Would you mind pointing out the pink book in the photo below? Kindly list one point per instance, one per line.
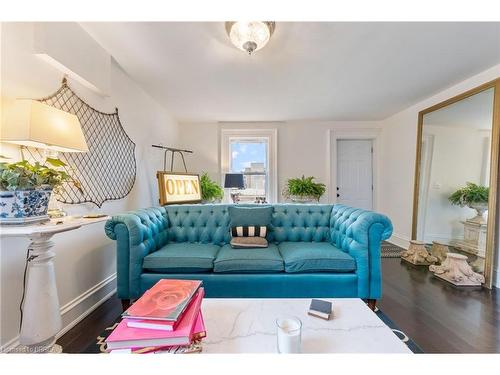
(165, 301)
(127, 337)
(153, 324)
(199, 332)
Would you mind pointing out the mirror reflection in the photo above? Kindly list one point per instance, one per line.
(454, 179)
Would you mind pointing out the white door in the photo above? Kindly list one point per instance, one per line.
(355, 173)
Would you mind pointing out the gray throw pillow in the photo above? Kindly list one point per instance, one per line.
(248, 242)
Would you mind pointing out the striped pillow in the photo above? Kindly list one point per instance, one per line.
(249, 231)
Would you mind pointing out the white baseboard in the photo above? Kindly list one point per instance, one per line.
(429, 238)
(94, 296)
(399, 240)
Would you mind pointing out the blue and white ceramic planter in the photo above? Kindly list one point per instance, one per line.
(24, 206)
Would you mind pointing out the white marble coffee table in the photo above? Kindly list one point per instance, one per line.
(248, 326)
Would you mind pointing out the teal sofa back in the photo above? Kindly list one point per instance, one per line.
(210, 223)
(300, 222)
(198, 223)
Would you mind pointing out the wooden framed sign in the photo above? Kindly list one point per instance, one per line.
(178, 187)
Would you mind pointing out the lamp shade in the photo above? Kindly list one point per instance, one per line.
(34, 124)
(234, 180)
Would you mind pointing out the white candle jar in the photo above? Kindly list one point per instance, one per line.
(289, 331)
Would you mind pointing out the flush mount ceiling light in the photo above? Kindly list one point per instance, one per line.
(250, 36)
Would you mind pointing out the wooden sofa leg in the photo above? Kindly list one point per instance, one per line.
(125, 304)
(372, 303)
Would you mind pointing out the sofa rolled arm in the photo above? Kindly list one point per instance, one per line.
(137, 234)
(360, 233)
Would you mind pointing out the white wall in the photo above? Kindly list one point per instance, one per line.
(85, 258)
(398, 156)
(303, 147)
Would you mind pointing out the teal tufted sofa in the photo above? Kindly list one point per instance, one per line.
(315, 250)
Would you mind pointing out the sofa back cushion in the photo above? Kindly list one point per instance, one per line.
(210, 223)
(198, 223)
(341, 222)
(300, 222)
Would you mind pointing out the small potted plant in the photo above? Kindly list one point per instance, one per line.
(303, 190)
(25, 189)
(211, 191)
(473, 196)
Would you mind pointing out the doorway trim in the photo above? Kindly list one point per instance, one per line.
(334, 135)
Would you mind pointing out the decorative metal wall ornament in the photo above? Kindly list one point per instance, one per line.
(177, 187)
(173, 151)
(107, 171)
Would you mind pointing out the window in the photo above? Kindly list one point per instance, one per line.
(249, 156)
(252, 153)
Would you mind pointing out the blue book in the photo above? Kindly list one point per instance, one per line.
(320, 309)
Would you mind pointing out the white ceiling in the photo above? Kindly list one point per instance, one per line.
(316, 71)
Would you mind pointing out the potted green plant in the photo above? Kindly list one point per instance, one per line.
(303, 189)
(25, 189)
(473, 196)
(211, 191)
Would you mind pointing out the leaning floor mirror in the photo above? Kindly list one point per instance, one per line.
(456, 185)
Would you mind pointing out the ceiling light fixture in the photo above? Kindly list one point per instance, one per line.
(250, 36)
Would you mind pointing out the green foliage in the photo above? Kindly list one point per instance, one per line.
(23, 175)
(470, 194)
(210, 190)
(304, 187)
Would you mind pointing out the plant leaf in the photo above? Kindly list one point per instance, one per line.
(56, 162)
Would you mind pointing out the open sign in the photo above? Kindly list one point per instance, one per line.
(178, 188)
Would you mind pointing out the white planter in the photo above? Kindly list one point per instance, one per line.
(481, 208)
(302, 199)
(24, 206)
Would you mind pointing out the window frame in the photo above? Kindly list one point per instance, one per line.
(268, 135)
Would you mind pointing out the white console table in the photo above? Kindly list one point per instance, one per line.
(41, 312)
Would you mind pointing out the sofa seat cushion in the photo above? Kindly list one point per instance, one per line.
(252, 260)
(315, 257)
(184, 257)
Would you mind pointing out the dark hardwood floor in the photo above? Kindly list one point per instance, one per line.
(437, 316)
(79, 338)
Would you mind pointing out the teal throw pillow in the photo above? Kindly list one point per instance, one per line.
(247, 216)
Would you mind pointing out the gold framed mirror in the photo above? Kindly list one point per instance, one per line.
(456, 180)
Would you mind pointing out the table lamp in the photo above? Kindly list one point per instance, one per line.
(234, 181)
(30, 123)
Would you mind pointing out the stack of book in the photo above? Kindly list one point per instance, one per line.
(166, 319)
